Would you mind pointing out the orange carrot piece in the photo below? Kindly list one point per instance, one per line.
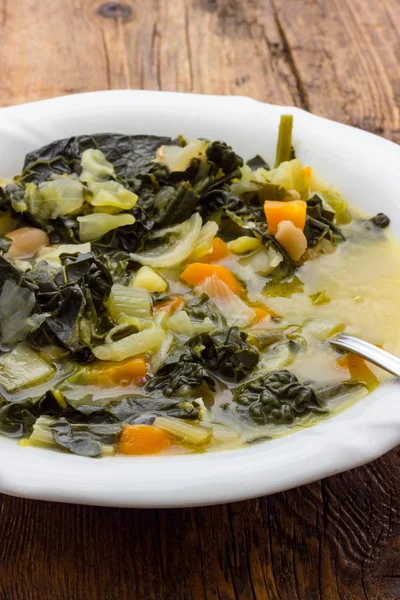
(261, 313)
(170, 306)
(143, 439)
(358, 369)
(307, 176)
(219, 251)
(294, 211)
(196, 273)
(122, 373)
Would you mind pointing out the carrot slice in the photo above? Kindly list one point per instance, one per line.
(170, 306)
(261, 313)
(358, 369)
(123, 373)
(219, 251)
(143, 439)
(294, 211)
(196, 273)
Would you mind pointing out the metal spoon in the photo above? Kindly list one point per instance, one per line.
(375, 355)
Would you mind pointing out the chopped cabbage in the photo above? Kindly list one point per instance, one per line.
(95, 166)
(180, 324)
(55, 198)
(178, 159)
(146, 341)
(23, 367)
(187, 432)
(92, 227)
(262, 261)
(51, 254)
(289, 174)
(175, 244)
(204, 242)
(111, 197)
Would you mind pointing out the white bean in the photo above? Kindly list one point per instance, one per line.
(26, 241)
(292, 239)
(293, 195)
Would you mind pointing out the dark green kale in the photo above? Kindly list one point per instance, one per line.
(226, 355)
(17, 418)
(9, 271)
(257, 162)
(181, 373)
(86, 429)
(320, 223)
(224, 158)
(127, 153)
(172, 205)
(84, 439)
(203, 306)
(170, 198)
(277, 397)
(380, 220)
(66, 295)
(129, 410)
(228, 206)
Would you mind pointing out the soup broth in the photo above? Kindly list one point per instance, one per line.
(164, 297)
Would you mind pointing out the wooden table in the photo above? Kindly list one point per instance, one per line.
(338, 539)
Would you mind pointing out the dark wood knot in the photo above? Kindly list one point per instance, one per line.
(115, 10)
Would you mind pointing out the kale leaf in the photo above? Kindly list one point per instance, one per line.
(277, 397)
(181, 373)
(84, 439)
(129, 410)
(17, 418)
(320, 222)
(380, 220)
(85, 429)
(203, 306)
(68, 294)
(226, 354)
(257, 162)
(127, 153)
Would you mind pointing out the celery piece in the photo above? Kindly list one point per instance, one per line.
(284, 149)
(146, 341)
(42, 434)
(23, 367)
(188, 433)
(128, 302)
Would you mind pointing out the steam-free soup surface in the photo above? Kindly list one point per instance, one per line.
(159, 296)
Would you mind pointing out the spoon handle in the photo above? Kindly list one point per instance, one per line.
(375, 355)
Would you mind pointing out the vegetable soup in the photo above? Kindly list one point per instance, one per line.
(160, 296)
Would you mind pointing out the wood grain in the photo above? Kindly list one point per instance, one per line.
(338, 539)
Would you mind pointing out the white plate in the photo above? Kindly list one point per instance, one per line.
(363, 166)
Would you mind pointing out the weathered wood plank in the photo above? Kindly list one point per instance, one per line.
(331, 540)
(346, 55)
